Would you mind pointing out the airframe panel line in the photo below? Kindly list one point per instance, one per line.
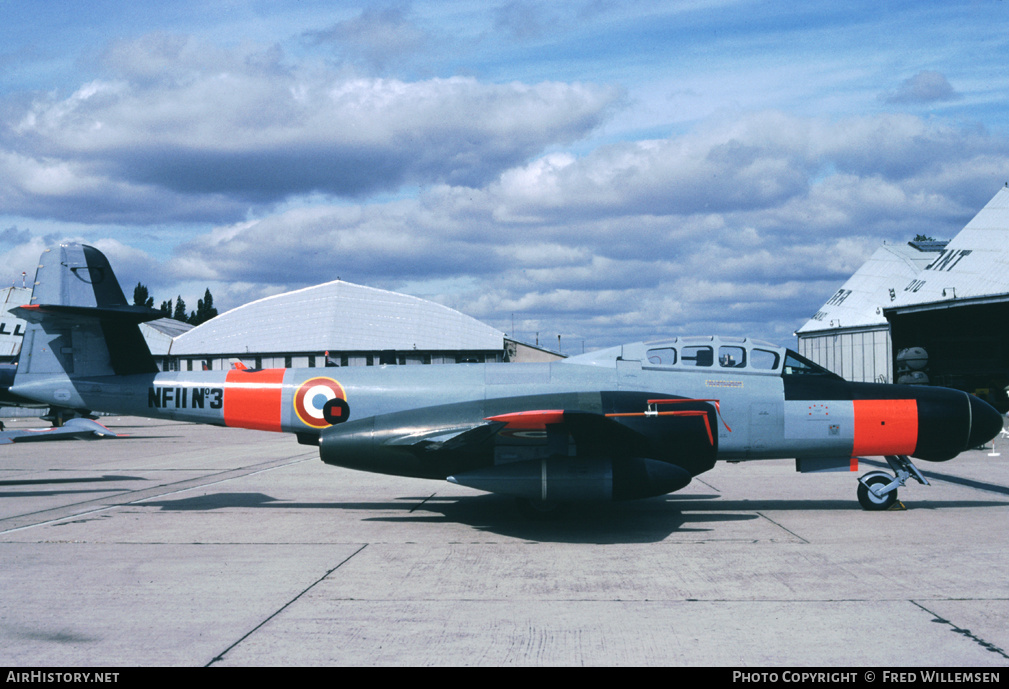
(27, 521)
(220, 656)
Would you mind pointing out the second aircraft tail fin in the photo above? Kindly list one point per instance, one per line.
(79, 322)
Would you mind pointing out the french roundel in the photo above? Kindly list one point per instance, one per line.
(311, 398)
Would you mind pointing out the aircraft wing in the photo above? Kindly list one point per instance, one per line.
(650, 430)
(641, 433)
(614, 455)
(630, 445)
(74, 428)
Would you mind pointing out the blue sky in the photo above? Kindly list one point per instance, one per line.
(605, 171)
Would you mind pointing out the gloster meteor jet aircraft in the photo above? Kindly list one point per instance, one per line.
(628, 422)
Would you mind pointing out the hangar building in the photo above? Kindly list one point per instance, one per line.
(354, 325)
(343, 324)
(849, 335)
(11, 327)
(950, 299)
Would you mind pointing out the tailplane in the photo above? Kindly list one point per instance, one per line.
(79, 322)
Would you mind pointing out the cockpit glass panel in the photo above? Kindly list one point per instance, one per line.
(796, 365)
(697, 356)
(665, 356)
(731, 357)
(764, 360)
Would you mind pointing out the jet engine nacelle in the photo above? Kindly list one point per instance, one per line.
(571, 479)
(633, 445)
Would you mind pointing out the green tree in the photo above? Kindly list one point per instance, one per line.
(179, 313)
(204, 309)
(141, 296)
(166, 308)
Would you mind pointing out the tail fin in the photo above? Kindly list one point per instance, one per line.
(79, 323)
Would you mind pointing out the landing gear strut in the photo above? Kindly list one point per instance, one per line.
(877, 490)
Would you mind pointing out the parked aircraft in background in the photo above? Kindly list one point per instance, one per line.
(73, 428)
(632, 421)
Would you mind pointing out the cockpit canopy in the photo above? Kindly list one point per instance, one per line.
(714, 353)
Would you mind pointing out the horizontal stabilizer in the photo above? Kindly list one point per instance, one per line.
(37, 313)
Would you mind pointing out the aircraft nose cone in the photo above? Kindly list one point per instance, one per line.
(952, 421)
(985, 424)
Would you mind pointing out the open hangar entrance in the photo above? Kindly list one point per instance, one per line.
(967, 344)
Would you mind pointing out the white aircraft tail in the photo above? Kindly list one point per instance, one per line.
(79, 322)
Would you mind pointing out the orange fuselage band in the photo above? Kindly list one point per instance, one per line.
(885, 427)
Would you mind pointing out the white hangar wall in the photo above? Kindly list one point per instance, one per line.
(859, 355)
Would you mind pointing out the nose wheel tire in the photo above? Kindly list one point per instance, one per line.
(872, 502)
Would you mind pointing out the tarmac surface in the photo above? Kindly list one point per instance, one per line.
(192, 545)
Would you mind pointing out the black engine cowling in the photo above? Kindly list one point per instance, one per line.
(568, 479)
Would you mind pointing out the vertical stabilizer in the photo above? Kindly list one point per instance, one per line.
(79, 323)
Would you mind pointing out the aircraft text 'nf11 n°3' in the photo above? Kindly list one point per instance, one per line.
(633, 421)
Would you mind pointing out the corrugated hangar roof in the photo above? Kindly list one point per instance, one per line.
(861, 300)
(338, 316)
(160, 333)
(973, 266)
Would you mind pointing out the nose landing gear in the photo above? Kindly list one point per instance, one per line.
(877, 490)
